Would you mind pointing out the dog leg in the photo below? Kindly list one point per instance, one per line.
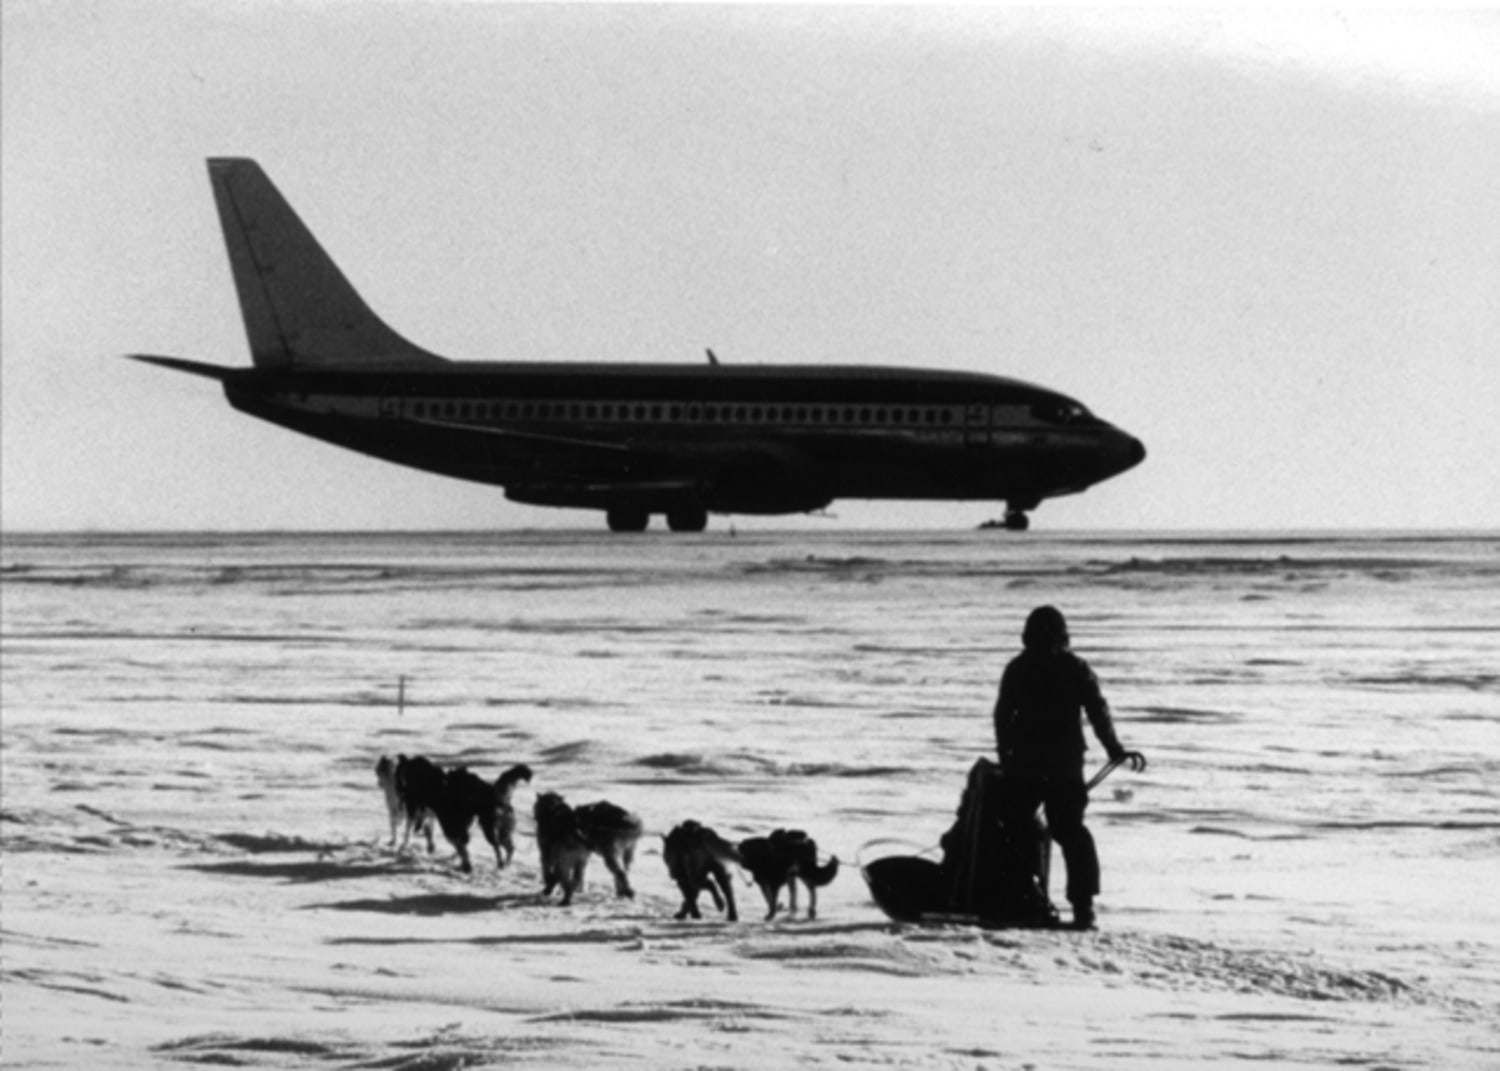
(724, 883)
(689, 907)
(493, 835)
(712, 886)
(622, 880)
(572, 882)
(459, 838)
(421, 822)
(773, 898)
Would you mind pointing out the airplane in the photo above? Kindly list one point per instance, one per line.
(631, 439)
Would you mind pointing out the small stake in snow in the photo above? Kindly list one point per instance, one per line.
(401, 695)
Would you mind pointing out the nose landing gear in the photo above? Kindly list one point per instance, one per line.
(1016, 519)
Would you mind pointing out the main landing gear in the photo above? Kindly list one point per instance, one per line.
(623, 519)
(687, 519)
(682, 519)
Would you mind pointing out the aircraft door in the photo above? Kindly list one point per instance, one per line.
(976, 425)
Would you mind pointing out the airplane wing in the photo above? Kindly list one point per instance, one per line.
(742, 480)
(659, 476)
(749, 478)
(568, 481)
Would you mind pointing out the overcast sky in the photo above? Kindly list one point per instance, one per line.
(1266, 243)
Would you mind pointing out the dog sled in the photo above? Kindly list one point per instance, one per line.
(990, 874)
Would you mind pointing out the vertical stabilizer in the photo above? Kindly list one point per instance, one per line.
(299, 310)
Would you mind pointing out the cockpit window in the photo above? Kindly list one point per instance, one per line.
(1061, 412)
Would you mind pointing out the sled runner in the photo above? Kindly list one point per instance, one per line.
(990, 875)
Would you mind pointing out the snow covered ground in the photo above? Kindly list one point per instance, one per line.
(195, 857)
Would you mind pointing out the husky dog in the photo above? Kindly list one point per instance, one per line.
(389, 774)
(456, 798)
(566, 836)
(784, 858)
(695, 856)
(419, 784)
(385, 777)
(505, 812)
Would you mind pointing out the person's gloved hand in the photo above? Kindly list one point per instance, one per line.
(1134, 759)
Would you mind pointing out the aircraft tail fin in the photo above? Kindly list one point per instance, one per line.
(299, 310)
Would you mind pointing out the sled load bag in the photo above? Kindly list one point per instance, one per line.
(989, 871)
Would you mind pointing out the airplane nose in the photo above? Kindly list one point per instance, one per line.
(1124, 452)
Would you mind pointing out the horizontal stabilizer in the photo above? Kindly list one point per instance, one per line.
(179, 364)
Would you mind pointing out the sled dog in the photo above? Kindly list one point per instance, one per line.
(457, 798)
(695, 856)
(391, 775)
(566, 836)
(783, 859)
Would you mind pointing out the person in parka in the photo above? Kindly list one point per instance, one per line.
(1039, 734)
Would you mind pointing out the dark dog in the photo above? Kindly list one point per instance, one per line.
(389, 774)
(784, 858)
(501, 831)
(456, 798)
(567, 836)
(695, 856)
(419, 784)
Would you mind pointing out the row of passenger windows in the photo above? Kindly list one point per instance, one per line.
(691, 412)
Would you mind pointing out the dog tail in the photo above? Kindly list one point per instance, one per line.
(820, 876)
(506, 783)
(724, 851)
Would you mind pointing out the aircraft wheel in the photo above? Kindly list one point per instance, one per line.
(687, 519)
(1016, 521)
(622, 519)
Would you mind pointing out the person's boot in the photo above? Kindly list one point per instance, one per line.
(1083, 915)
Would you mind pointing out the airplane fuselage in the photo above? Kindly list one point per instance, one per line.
(731, 439)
